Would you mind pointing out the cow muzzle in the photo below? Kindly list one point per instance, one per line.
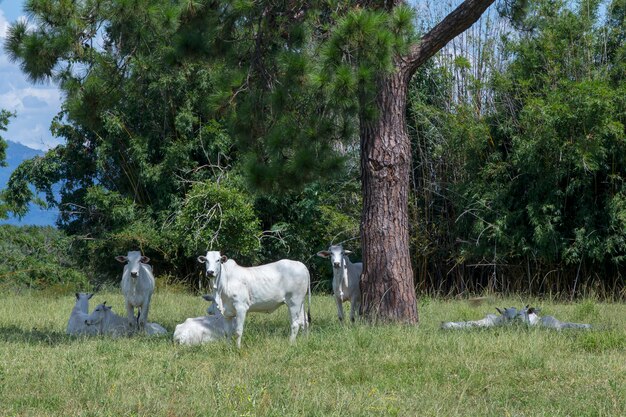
(134, 274)
(210, 274)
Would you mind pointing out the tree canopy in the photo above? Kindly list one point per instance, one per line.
(191, 125)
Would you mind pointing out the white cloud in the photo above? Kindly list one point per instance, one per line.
(35, 105)
(13, 99)
(4, 25)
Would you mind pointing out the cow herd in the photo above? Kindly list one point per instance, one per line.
(239, 290)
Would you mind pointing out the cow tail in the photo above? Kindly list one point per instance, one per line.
(309, 309)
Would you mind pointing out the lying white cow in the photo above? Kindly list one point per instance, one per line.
(527, 315)
(346, 279)
(137, 286)
(239, 290)
(76, 324)
(203, 329)
(508, 315)
(106, 322)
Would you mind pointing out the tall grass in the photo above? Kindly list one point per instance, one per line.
(335, 370)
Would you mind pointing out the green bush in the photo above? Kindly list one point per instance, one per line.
(217, 217)
(38, 258)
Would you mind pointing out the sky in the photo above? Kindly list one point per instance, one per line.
(34, 104)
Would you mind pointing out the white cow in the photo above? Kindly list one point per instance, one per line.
(212, 309)
(530, 316)
(507, 315)
(203, 329)
(346, 279)
(239, 290)
(76, 324)
(105, 322)
(527, 315)
(137, 286)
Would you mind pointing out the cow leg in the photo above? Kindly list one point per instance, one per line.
(296, 313)
(355, 305)
(228, 326)
(339, 308)
(130, 313)
(304, 322)
(143, 317)
(239, 321)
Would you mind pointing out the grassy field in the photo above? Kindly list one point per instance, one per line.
(335, 370)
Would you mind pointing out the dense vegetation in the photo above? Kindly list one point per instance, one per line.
(524, 169)
(186, 129)
(39, 258)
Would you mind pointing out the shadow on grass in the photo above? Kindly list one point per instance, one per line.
(33, 336)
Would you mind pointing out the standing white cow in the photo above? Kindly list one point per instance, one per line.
(76, 324)
(346, 279)
(264, 288)
(137, 287)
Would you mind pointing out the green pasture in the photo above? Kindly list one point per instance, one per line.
(337, 370)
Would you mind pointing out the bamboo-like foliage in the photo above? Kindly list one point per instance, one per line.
(521, 192)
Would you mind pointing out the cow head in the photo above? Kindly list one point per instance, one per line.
(336, 254)
(212, 309)
(508, 314)
(134, 259)
(529, 315)
(213, 262)
(83, 295)
(98, 314)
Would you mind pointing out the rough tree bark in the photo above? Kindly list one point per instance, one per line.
(387, 283)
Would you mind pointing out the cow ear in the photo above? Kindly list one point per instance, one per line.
(144, 260)
(202, 259)
(208, 297)
(347, 252)
(121, 259)
(89, 296)
(223, 259)
(76, 295)
(499, 311)
(323, 254)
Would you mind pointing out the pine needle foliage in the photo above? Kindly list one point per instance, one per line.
(361, 48)
(5, 117)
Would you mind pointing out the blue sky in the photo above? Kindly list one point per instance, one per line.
(35, 104)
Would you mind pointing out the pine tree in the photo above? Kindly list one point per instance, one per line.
(387, 282)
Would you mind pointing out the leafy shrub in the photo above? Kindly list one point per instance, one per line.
(38, 258)
(217, 217)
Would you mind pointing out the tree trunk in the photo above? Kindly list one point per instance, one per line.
(387, 281)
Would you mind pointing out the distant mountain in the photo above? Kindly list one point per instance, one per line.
(16, 153)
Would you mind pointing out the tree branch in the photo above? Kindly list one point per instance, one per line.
(452, 25)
